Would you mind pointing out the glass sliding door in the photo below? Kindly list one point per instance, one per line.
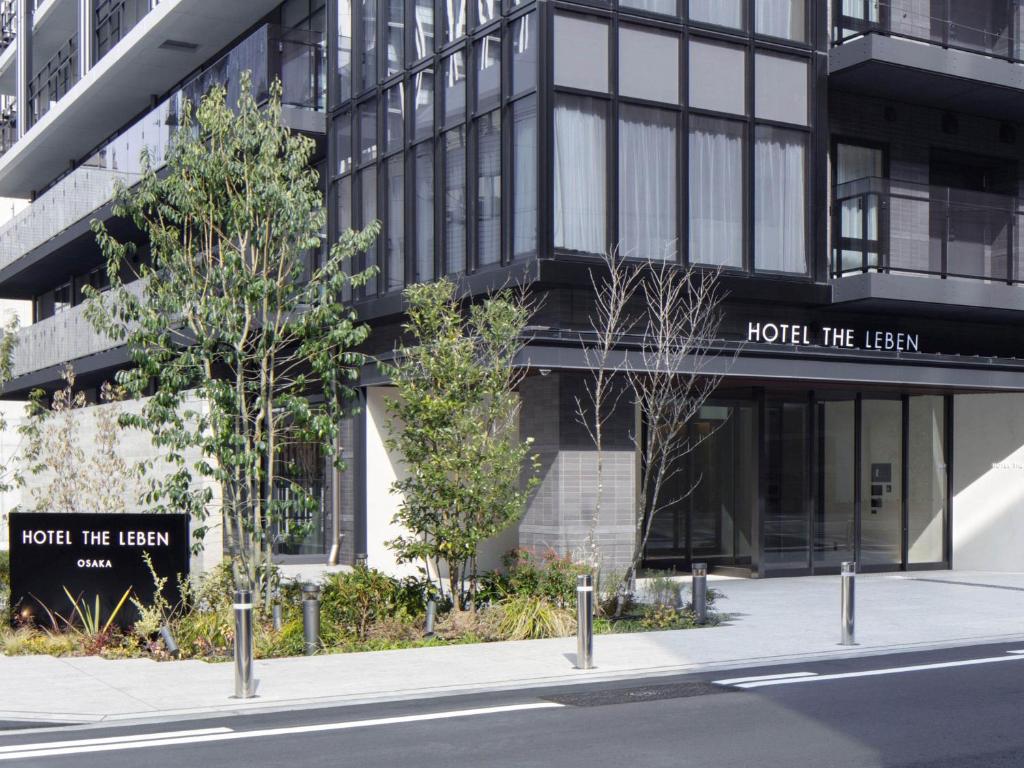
(786, 529)
(927, 487)
(881, 483)
(835, 519)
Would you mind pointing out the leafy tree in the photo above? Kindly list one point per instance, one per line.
(454, 422)
(235, 325)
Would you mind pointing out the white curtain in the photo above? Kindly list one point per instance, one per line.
(524, 176)
(667, 7)
(647, 183)
(853, 163)
(579, 160)
(725, 13)
(716, 192)
(780, 201)
(780, 18)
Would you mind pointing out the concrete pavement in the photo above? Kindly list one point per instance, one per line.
(773, 621)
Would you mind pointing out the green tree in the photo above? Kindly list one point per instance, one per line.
(454, 422)
(236, 324)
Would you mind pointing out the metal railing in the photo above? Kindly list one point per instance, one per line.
(54, 79)
(8, 22)
(115, 18)
(883, 225)
(993, 27)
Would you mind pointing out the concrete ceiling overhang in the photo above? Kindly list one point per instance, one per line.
(123, 84)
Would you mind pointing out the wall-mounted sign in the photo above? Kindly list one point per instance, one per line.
(840, 338)
(93, 555)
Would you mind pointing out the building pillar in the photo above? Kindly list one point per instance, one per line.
(23, 68)
(86, 36)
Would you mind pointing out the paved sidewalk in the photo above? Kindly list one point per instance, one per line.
(774, 621)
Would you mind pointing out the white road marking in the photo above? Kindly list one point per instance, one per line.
(112, 739)
(738, 680)
(155, 740)
(876, 672)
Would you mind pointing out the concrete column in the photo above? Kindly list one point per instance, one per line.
(23, 69)
(86, 35)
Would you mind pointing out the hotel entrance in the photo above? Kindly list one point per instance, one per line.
(790, 485)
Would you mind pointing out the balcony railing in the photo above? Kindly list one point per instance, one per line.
(882, 225)
(991, 27)
(54, 79)
(115, 18)
(8, 22)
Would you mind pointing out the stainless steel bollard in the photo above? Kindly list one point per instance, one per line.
(311, 618)
(244, 688)
(699, 592)
(428, 630)
(584, 622)
(169, 642)
(847, 574)
(277, 614)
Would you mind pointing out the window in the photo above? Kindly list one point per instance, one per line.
(666, 7)
(423, 103)
(61, 298)
(488, 73)
(572, 35)
(718, 77)
(579, 173)
(394, 118)
(455, 88)
(343, 142)
(781, 18)
(486, 10)
(344, 202)
(368, 193)
(716, 191)
(424, 213)
(488, 188)
(524, 176)
(648, 65)
(524, 54)
(780, 191)
(647, 183)
(423, 33)
(455, 200)
(454, 19)
(396, 36)
(367, 132)
(345, 50)
(780, 88)
(723, 13)
(368, 66)
(395, 224)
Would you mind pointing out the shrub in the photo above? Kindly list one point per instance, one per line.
(550, 576)
(5, 584)
(526, 617)
(352, 602)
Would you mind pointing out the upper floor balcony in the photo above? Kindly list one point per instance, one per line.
(963, 55)
(887, 235)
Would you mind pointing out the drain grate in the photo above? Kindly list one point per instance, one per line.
(636, 695)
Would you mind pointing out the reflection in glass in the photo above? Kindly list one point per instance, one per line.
(524, 176)
(488, 73)
(396, 36)
(424, 31)
(423, 104)
(834, 525)
(454, 19)
(395, 224)
(455, 200)
(368, 194)
(368, 60)
(488, 188)
(394, 118)
(424, 213)
(367, 132)
(786, 524)
(524, 54)
(926, 479)
(881, 482)
(454, 88)
(344, 50)
(343, 142)
(486, 10)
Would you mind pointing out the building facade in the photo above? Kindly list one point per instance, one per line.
(852, 168)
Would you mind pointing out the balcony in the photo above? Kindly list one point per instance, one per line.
(951, 54)
(115, 19)
(888, 235)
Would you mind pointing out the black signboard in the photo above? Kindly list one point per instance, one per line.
(93, 555)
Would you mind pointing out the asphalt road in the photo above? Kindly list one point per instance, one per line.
(938, 709)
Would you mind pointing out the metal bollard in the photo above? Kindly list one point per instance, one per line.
(584, 622)
(428, 630)
(244, 688)
(277, 614)
(169, 642)
(847, 574)
(699, 592)
(311, 618)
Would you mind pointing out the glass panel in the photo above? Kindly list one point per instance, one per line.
(718, 77)
(716, 191)
(926, 478)
(367, 132)
(780, 88)
(454, 19)
(648, 65)
(781, 18)
(579, 174)
(487, 10)
(423, 35)
(724, 13)
(488, 188)
(368, 193)
(666, 7)
(572, 35)
(396, 223)
(858, 216)
(343, 142)
(424, 211)
(780, 206)
(455, 200)
(344, 50)
(787, 525)
(368, 60)
(344, 203)
(396, 36)
(524, 176)
(488, 74)
(524, 54)
(423, 103)
(647, 183)
(455, 88)
(394, 119)
(881, 482)
(834, 526)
